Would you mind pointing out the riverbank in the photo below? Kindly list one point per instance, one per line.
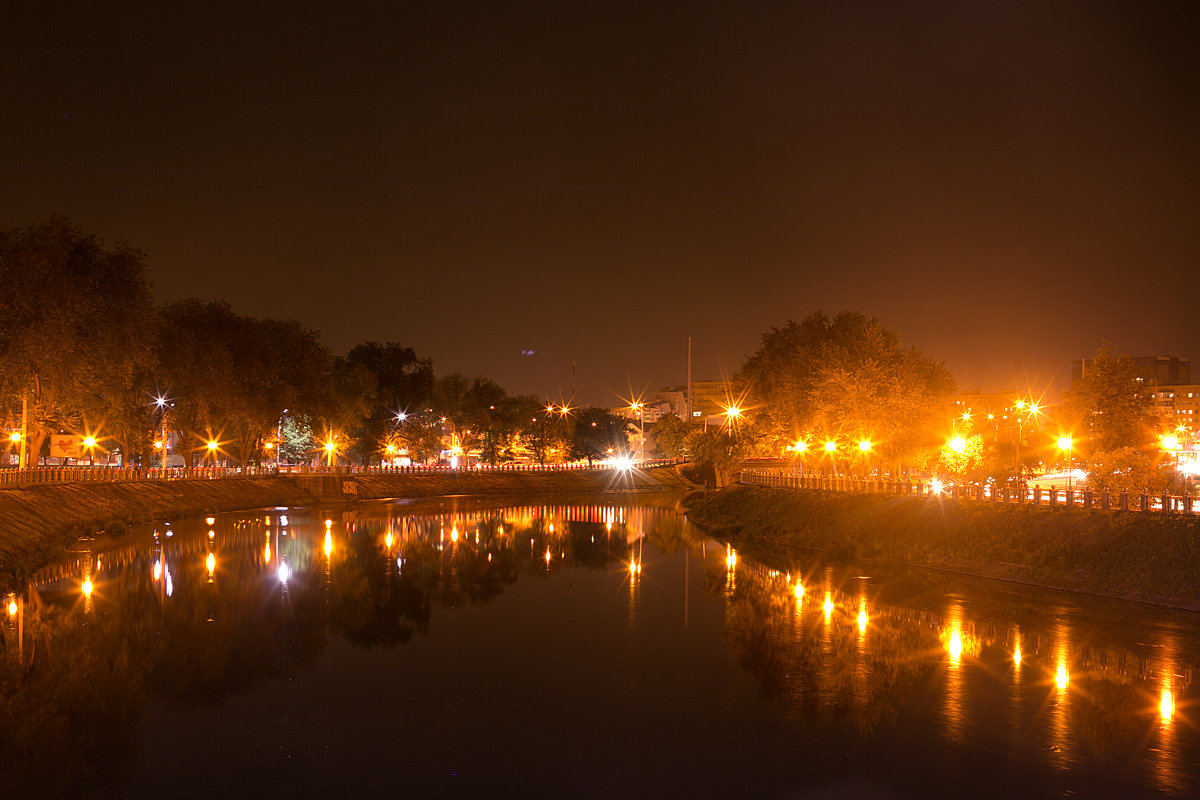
(1142, 557)
(38, 522)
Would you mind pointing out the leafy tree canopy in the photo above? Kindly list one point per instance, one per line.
(1114, 424)
(600, 434)
(231, 377)
(76, 330)
(670, 436)
(1108, 406)
(846, 377)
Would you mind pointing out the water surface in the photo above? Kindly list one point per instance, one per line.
(446, 647)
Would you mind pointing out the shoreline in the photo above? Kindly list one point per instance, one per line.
(1147, 560)
(39, 522)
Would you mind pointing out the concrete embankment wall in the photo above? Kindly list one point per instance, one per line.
(38, 521)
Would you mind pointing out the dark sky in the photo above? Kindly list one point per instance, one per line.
(1007, 184)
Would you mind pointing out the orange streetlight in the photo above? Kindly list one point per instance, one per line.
(89, 443)
(1170, 443)
(639, 408)
(1065, 443)
(162, 402)
(831, 449)
(1023, 410)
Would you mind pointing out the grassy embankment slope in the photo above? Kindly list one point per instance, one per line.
(1147, 557)
(39, 521)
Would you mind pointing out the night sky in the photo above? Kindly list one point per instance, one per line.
(512, 187)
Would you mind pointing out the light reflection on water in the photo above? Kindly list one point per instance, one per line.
(952, 638)
(1025, 679)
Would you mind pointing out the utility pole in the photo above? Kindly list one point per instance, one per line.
(689, 383)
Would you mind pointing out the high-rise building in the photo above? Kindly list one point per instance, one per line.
(1151, 370)
(1178, 405)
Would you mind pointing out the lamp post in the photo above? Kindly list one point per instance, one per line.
(865, 448)
(1023, 409)
(1065, 443)
(161, 402)
(640, 409)
(394, 441)
(279, 438)
(798, 449)
(1170, 443)
(732, 413)
(1189, 469)
(1020, 406)
(831, 448)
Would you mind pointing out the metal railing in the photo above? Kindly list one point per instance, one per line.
(1051, 496)
(16, 478)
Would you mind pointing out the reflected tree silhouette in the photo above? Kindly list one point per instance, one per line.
(374, 603)
(72, 709)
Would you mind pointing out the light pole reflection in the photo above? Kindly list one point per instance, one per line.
(730, 570)
(1166, 766)
(1060, 730)
(952, 636)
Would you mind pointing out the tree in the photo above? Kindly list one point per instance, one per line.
(845, 377)
(1108, 403)
(501, 434)
(713, 453)
(348, 403)
(233, 377)
(670, 436)
(420, 435)
(1126, 468)
(1114, 422)
(76, 330)
(197, 366)
(548, 434)
(281, 365)
(963, 458)
(599, 434)
(403, 383)
(477, 411)
(296, 443)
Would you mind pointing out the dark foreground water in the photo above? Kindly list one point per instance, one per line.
(445, 648)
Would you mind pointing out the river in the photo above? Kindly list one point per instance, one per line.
(452, 647)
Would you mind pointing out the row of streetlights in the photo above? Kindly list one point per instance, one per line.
(831, 447)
